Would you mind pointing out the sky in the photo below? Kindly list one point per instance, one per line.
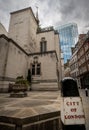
(51, 12)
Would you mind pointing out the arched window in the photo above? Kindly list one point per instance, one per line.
(36, 68)
(43, 45)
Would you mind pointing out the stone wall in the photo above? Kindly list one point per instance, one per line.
(3, 30)
(48, 78)
(17, 62)
(44, 120)
(58, 51)
(4, 46)
(18, 51)
(49, 38)
(52, 40)
(13, 62)
(22, 29)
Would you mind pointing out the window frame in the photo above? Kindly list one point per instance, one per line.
(36, 68)
(43, 46)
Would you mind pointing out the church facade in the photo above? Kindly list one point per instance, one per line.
(30, 48)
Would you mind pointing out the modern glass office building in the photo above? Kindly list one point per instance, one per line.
(68, 34)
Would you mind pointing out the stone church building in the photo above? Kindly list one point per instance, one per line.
(27, 47)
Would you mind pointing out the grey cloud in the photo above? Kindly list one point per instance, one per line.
(55, 12)
(69, 10)
(86, 25)
(75, 10)
(8, 6)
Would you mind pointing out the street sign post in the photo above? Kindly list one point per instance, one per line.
(72, 112)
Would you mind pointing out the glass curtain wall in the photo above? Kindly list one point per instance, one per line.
(68, 35)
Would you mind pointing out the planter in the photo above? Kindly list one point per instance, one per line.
(18, 90)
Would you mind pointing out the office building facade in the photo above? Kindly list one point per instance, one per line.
(68, 37)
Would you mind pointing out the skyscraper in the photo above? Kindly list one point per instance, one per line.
(68, 34)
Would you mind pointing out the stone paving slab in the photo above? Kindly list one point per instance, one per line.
(36, 106)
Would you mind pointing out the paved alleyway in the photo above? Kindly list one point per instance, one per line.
(86, 106)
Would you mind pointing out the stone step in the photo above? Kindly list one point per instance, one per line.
(45, 86)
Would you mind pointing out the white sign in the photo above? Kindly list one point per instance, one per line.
(72, 111)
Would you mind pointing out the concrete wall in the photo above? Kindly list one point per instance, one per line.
(22, 29)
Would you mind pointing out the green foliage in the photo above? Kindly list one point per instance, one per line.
(19, 77)
(21, 80)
